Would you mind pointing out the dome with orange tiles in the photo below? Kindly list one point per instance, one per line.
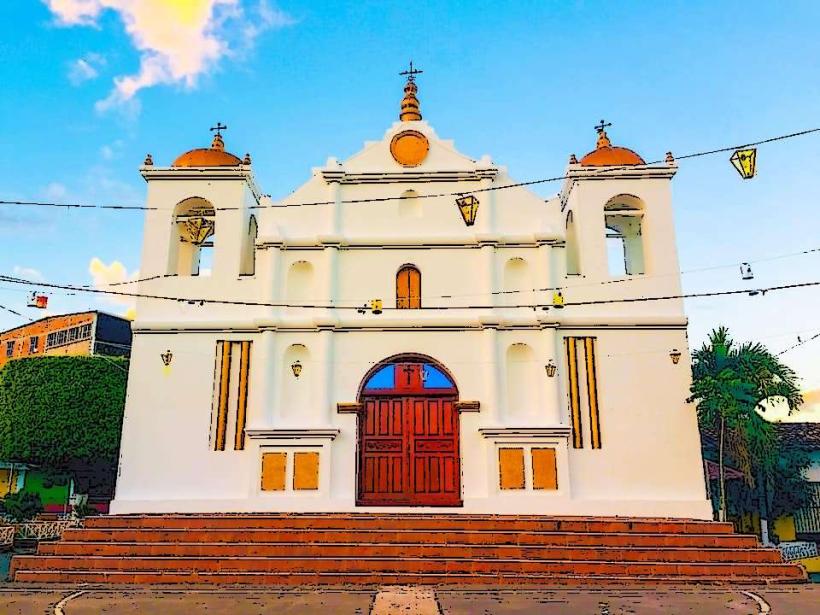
(214, 156)
(606, 155)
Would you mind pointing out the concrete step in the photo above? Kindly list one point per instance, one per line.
(403, 565)
(404, 536)
(436, 522)
(452, 550)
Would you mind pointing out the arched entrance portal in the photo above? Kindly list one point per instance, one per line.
(408, 435)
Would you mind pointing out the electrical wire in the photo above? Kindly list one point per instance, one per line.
(203, 301)
(798, 344)
(597, 171)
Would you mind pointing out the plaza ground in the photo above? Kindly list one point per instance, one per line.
(20, 599)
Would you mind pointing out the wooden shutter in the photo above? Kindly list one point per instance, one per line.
(544, 470)
(273, 471)
(306, 470)
(511, 468)
(408, 288)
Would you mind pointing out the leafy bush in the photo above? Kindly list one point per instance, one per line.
(84, 510)
(22, 506)
(64, 414)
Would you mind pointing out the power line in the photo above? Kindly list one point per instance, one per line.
(203, 301)
(10, 311)
(608, 170)
(798, 344)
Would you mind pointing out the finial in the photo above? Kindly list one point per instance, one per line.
(218, 143)
(148, 162)
(573, 159)
(410, 110)
(603, 139)
(247, 159)
(670, 159)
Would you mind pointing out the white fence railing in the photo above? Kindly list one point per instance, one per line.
(797, 550)
(44, 530)
(7, 535)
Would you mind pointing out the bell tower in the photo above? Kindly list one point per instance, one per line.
(617, 212)
(199, 221)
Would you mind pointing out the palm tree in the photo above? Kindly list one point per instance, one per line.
(730, 384)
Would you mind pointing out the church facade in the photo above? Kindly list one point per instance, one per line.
(410, 331)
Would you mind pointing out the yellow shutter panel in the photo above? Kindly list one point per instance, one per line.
(544, 469)
(511, 468)
(273, 471)
(306, 470)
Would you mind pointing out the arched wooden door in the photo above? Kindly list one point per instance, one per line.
(408, 288)
(409, 437)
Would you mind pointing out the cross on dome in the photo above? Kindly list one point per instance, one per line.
(410, 109)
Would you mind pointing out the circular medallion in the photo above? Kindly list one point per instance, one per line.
(409, 148)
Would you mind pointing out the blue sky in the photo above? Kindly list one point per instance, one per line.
(522, 81)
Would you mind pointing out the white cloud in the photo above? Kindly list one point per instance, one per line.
(178, 40)
(55, 191)
(29, 273)
(115, 273)
(85, 68)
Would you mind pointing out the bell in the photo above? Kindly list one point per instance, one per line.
(746, 271)
(468, 206)
(744, 161)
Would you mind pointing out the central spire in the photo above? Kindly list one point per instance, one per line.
(410, 109)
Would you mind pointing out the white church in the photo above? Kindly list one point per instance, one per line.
(410, 331)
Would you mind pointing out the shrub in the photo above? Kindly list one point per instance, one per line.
(22, 506)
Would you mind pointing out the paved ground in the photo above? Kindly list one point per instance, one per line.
(16, 599)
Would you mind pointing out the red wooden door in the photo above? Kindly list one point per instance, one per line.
(408, 444)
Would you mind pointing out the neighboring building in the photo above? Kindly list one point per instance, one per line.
(805, 436)
(82, 333)
(290, 391)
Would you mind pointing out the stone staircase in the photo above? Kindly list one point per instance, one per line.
(297, 549)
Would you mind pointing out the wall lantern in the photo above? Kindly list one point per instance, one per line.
(558, 300)
(296, 366)
(550, 368)
(376, 306)
(166, 357)
(675, 356)
(468, 206)
(744, 161)
(746, 271)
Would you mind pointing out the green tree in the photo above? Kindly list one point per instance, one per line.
(730, 383)
(64, 414)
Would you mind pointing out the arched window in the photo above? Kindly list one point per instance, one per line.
(249, 253)
(193, 241)
(573, 264)
(518, 282)
(623, 217)
(408, 288)
(410, 204)
(301, 283)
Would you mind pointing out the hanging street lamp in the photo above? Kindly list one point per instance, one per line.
(468, 206)
(744, 161)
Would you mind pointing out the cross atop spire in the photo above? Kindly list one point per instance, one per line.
(217, 142)
(603, 125)
(410, 111)
(411, 72)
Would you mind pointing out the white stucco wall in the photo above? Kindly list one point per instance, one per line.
(346, 254)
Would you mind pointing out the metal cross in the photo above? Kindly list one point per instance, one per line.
(219, 128)
(408, 370)
(411, 74)
(600, 127)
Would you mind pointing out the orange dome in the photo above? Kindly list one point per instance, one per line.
(605, 154)
(214, 156)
